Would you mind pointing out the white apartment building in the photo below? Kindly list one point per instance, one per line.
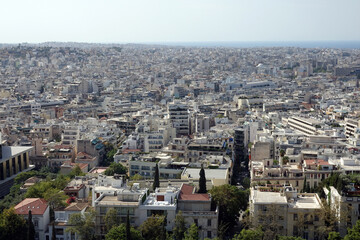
(351, 127)
(294, 214)
(62, 217)
(70, 135)
(306, 126)
(179, 117)
(40, 212)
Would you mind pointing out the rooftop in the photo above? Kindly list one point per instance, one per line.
(76, 206)
(113, 201)
(8, 152)
(187, 193)
(37, 206)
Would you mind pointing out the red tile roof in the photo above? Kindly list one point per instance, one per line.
(125, 151)
(76, 206)
(187, 194)
(37, 206)
(313, 162)
(73, 165)
(83, 154)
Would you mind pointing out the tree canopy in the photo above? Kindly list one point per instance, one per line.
(115, 168)
(180, 226)
(83, 225)
(152, 227)
(192, 233)
(12, 226)
(202, 181)
(156, 182)
(119, 232)
(111, 219)
(230, 200)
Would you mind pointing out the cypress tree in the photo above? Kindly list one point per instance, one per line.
(202, 181)
(31, 228)
(128, 232)
(156, 182)
(53, 236)
(304, 187)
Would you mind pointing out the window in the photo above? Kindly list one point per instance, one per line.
(103, 210)
(36, 222)
(59, 231)
(295, 217)
(295, 230)
(264, 208)
(209, 234)
(209, 222)
(196, 222)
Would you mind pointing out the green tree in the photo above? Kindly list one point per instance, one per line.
(12, 225)
(38, 190)
(354, 232)
(305, 183)
(246, 182)
(136, 177)
(180, 226)
(128, 227)
(151, 228)
(202, 181)
(111, 219)
(282, 152)
(53, 233)
(115, 168)
(55, 199)
(270, 220)
(250, 234)
(334, 236)
(156, 182)
(31, 228)
(22, 177)
(288, 238)
(330, 217)
(163, 232)
(285, 160)
(192, 233)
(119, 232)
(83, 225)
(110, 151)
(76, 171)
(230, 200)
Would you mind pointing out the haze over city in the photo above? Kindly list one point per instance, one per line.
(144, 21)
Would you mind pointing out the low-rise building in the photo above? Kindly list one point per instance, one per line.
(291, 213)
(40, 214)
(197, 208)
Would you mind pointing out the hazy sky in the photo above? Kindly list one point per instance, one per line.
(119, 21)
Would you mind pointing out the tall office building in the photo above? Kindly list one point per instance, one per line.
(179, 117)
(13, 160)
(240, 158)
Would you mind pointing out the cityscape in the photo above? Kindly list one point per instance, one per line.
(180, 140)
